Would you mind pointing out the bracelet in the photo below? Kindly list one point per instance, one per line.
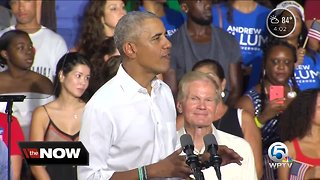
(258, 123)
(140, 173)
(145, 172)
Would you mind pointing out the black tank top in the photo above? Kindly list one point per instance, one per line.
(229, 123)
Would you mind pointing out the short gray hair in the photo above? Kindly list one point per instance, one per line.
(129, 28)
(195, 76)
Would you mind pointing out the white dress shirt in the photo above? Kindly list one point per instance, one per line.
(123, 127)
(233, 171)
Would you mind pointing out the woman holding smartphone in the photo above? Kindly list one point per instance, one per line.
(278, 70)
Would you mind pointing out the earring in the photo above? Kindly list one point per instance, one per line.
(300, 38)
(223, 94)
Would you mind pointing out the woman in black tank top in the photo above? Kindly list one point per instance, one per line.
(59, 120)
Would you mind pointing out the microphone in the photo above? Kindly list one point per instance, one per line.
(192, 160)
(212, 147)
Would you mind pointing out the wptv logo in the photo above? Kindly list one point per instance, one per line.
(278, 153)
(45, 153)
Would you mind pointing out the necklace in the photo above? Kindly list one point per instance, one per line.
(75, 116)
(291, 94)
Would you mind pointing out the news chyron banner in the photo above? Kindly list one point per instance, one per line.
(51, 152)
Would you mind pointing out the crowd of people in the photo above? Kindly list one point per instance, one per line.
(136, 81)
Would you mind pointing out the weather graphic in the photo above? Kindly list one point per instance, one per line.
(280, 22)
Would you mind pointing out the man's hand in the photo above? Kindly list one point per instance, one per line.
(228, 155)
(301, 52)
(172, 166)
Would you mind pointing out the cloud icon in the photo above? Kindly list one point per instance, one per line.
(274, 20)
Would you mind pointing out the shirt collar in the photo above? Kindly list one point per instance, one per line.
(131, 86)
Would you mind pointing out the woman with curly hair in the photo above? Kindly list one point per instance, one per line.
(105, 62)
(100, 19)
(300, 131)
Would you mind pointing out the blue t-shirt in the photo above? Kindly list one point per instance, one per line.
(69, 19)
(172, 19)
(251, 33)
(308, 74)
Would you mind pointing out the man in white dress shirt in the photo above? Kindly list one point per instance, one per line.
(130, 121)
(198, 97)
(129, 125)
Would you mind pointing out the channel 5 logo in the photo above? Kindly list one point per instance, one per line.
(278, 153)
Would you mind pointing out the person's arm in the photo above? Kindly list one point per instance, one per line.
(228, 155)
(16, 164)
(252, 134)
(45, 85)
(37, 130)
(246, 104)
(301, 52)
(283, 171)
(172, 166)
(313, 43)
(16, 155)
(170, 78)
(97, 134)
(235, 79)
(272, 108)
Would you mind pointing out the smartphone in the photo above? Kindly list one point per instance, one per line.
(276, 92)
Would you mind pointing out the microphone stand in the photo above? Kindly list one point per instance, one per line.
(216, 161)
(10, 99)
(193, 159)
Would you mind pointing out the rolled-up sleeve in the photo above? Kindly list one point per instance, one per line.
(96, 135)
